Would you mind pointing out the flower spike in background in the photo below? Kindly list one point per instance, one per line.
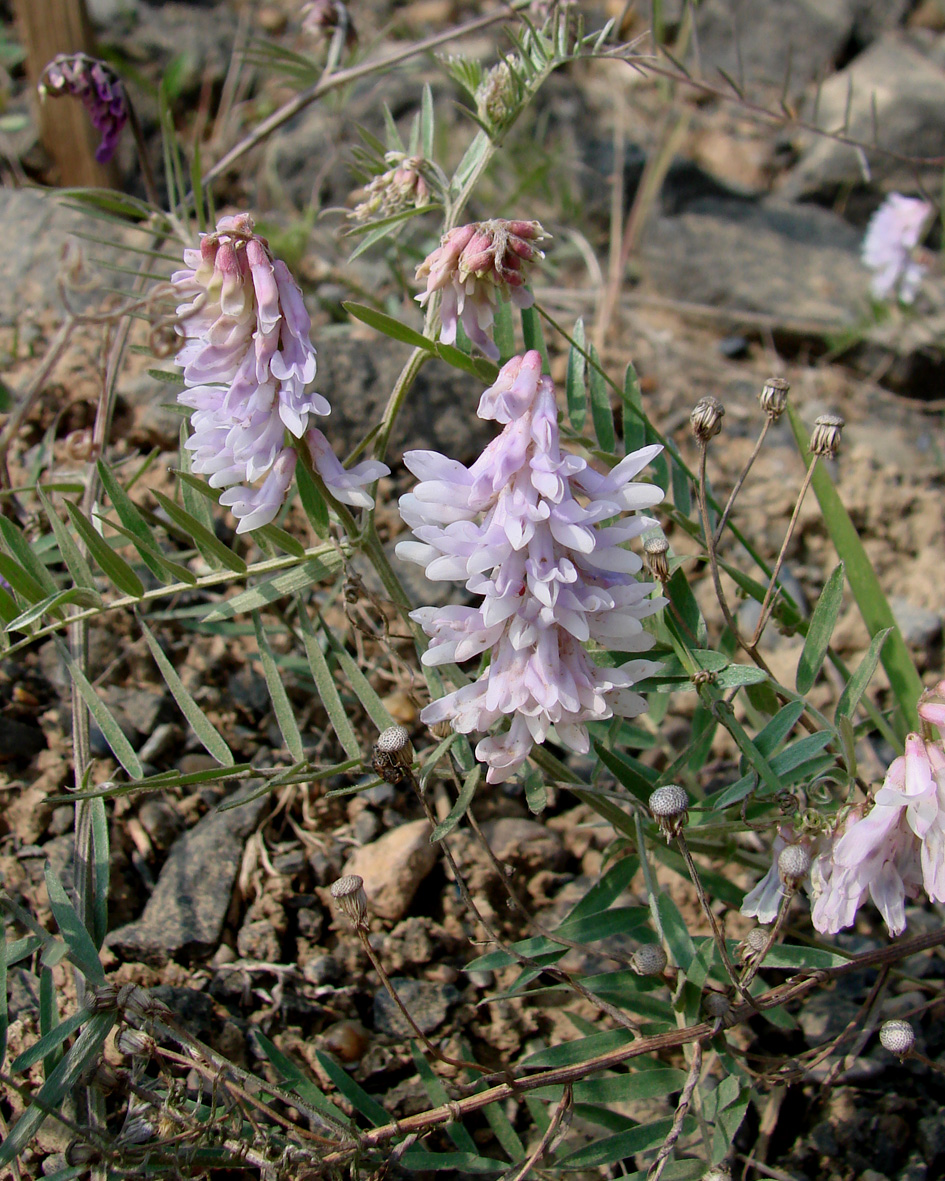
(473, 266)
(894, 232)
(523, 528)
(247, 362)
(99, 88)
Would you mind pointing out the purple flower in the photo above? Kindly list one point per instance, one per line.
(472, 266)
(99, 87)
(523, 528)
(892, 236)
(247, 362)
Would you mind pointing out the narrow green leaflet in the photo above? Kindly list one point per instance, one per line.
(484, 370)
(280, 699)
(422, 1159)
(601, 411)
(314, 504)
(204, 539)
(611, 1149)
(533, 335)
(101, 869)
(774, 733)
(381, 322)
(364, 691)
(77, 596)
(874, 607)
(576, 381)
(136, 529)
(296, 1081)
(325, 685)
(105, 720)
(84, 1051)
(822, 623)
(23, 583)
(582, 1049)
(856, 686)
(82, 950)
(439, 1095)
(49, 1042)
(634, 423)
(112, 565)
(359, 1099)
(23, 555)
(678, 939)
(458, 810)
(160, 566)
(208, 735)
(73, 557)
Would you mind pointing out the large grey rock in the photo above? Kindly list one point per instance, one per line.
(754, 41)
(798, 265)
(184, 916)
(393, 867)
(902, 77)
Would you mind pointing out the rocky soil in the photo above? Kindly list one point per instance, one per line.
(745, 263)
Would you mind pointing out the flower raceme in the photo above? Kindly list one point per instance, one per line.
(247, 361)
(99, 88)
(524, 528)
(473, 266)
(892, 236)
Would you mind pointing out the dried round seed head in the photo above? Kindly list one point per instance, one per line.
(706, 419)
(717, 1005)
(135, 1043)
(757, 939)
(825, 439)
(349, 893)
(669, 801)
(103, 998)
(656, 550)
(773, 397)
(392, 754)
(793, 863)
(78, 1154)
(393, 740)
(718, 1173)
(649, 960)
(898, 1037)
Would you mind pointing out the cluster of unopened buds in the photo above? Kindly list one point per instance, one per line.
(473, 266)
(247, 362)
(402, 186)
(99, 88)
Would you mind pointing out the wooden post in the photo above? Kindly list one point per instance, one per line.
(49, 27)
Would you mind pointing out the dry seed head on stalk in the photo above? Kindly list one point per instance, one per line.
(825, 438)
(706, 419)
(392, 755)
(649, 960)
(773, 397)
(669, 808)
(753, 945)
(718, 1173)
(349, 893)
(717, 1005)
(655, 550)
(898, 1037)
(135, 1043)
(793, 865)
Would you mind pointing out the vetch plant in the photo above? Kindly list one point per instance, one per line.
(889, 247)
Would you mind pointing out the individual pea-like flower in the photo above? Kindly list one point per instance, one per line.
(99, 88)
(893, 234)
(247, 361)
(523, 527)
(474, 265)
(764, 901)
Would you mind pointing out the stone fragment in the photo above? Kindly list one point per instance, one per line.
(393, 867)
(523, 841)
(184, 916)
(426, 1002)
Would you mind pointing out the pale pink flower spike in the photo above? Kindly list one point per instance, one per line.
(523, 529)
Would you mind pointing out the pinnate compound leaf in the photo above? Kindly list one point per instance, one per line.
(208, 735)
(822, 623)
